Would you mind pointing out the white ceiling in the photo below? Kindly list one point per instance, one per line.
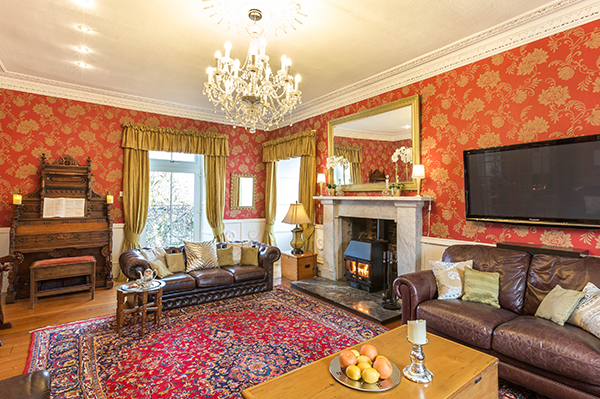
(157, 51)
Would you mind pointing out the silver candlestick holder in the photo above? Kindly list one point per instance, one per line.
(416, 370)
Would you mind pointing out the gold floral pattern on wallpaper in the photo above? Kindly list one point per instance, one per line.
(32, 125)
(540, 91)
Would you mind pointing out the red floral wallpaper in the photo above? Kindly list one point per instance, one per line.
(31, 124)
(378, 155)
(543, 90)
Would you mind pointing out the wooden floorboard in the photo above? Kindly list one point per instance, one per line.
(57, 310)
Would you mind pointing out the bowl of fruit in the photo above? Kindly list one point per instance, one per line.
(365, 370)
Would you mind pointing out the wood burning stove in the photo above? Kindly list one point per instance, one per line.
(364, 264)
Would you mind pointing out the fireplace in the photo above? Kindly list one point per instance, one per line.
(364, 264)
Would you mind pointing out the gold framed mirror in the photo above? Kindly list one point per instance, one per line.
(369, 139)
(243, 191)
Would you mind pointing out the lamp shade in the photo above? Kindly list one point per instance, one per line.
(418, 172)
(321, 178)
(296, 215)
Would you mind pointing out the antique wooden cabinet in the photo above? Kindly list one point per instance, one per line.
(37, 238)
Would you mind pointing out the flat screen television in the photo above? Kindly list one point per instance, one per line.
(554, 182)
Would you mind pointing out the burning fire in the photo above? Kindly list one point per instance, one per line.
(363, 269)
(351, 266)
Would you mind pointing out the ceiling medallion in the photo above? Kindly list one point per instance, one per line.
(252, 95)
(277, 16)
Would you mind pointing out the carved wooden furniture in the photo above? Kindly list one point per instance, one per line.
(139, 305)
(376, 176)
(38, 238)
(49, 269)
(6, 263)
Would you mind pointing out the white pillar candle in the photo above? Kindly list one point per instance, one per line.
(417, 332)
(17, 199)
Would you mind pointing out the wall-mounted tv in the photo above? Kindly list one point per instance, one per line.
(554, 182)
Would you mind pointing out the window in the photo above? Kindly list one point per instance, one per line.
(288, 187)
(174, 208)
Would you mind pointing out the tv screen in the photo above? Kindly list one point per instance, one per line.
(553, 182)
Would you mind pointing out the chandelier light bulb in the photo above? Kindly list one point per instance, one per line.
(236, 67)
(228, 47)
(83, 49)
(297, 80)
(218, 55)
(283, 63)
(263, 46)
(84, 28)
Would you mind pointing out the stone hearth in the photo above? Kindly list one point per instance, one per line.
(407, 212)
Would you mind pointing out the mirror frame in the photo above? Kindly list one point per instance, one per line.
(413, 101)
(235, 191)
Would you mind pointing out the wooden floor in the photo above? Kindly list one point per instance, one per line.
(56, 310)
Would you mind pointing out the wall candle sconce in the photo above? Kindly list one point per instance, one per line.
(18, 198)
(109, 199)
(321, 181)
(418, 173)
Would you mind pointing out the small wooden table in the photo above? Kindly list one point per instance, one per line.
(298, 266)
(459, 373)
(136, 295)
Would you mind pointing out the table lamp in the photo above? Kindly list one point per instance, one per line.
(296, 215)
(418, 173)
(321, 181)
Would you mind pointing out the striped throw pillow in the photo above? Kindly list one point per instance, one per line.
(201, 255)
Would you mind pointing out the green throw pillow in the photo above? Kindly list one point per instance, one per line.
(558, 305)
(249, 256)
(482, 287)
(175, 262)
(161, 269)
(225, 256)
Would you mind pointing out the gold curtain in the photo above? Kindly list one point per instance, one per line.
(215, 195)
(137, 140)
(303, 145)
(270, 203)
(354, 155)
(308, 183)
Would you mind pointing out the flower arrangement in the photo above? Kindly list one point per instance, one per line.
(334, 161)
(331, 185)
(403, 154)
(397, 186)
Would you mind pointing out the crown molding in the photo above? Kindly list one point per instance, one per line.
(538, 24)
(542, 22)
(368, 135)
(48, 87)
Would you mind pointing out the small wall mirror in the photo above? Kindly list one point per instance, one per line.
(243, 190)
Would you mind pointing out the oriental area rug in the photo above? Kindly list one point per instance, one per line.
(214, 350)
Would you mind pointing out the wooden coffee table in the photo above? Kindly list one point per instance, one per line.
(459, 372)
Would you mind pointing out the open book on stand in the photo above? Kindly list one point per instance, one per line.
(64, 207)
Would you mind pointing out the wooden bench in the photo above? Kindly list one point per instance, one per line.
(50, 269)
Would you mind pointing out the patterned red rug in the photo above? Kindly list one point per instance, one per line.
(214, 350)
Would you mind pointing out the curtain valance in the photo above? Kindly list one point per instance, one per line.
(296, 145)
(352, 154)
(157, 138)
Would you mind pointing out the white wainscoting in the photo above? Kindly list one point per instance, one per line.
(239, 230)
(433, 248)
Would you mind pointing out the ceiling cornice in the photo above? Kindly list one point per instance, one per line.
(545, 21)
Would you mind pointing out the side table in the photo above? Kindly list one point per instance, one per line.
(298, 266)
(139, 295)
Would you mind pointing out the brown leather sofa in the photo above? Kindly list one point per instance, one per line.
(556, 361)
(35, 385)
(199, 286)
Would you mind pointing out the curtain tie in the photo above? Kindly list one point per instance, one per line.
(131, 236)
(217, 231)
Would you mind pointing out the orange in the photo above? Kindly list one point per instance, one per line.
(347, 358)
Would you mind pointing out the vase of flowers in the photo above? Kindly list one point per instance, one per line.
(403, 154)
(396, 189)
(331, 188)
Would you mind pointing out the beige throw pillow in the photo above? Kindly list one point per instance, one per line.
(161, 268)
(249, 257)
(175, 262)
(587, 313)
(559, 304)
(482, 287)
(153, 253)
(201, 255)
(225, 256)
(237, 249)
(449, 277)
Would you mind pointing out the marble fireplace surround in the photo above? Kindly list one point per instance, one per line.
(407, 212)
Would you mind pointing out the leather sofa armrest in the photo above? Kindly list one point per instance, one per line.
(34, 385)
(267, 255)
(131, 262)
(412, 289)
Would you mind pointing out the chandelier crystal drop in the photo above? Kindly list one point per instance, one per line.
(252, 95)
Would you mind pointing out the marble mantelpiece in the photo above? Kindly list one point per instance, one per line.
(407, 212)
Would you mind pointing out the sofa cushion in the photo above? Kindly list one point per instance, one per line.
(179, 282)
(511, 265)
(558, 305)
(449, 277)
(201, 255)
(587, 312)
(249, 256)
(566, 350)
(482, 287)
(212, 277)
(225, 256)
(175, 262)
(470, 322)
(547, 271)
(245, 273)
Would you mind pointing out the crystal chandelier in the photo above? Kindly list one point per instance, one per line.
(252, 95)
